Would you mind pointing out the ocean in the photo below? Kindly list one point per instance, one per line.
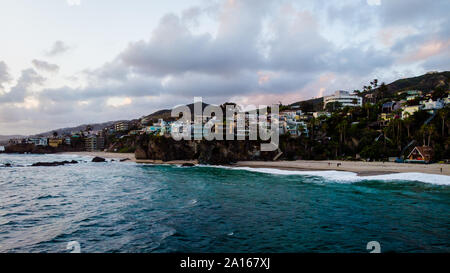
(129, 207)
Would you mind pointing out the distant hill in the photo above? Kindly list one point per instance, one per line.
(427, 83)
(311, 105)
(166, 113)
(68, 130)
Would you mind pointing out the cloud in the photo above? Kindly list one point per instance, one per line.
(4, 75)
(374, 2)
(28, 78)
(251, 51)
(58, 48)
(73, 2)
(45, 66)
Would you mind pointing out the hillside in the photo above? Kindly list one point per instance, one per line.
(94, 126)
(427, 83)
(166, 113)
(311, 105)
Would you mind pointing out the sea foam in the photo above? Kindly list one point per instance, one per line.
(351, 177)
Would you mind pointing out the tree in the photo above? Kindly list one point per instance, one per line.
(374, 83)
(407, 121)
(333, 106)
(431, 130)
(382, 90)
(443, 114)
(88, 129)
(427, 130)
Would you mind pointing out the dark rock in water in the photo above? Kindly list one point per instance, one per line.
(125, 159)
(112, 160)
(188, 165)
(98, 159)
(53, 164)
(8, 165)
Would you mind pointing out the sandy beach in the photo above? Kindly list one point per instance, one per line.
(359, 167)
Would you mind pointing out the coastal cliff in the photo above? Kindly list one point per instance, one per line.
(215, 152)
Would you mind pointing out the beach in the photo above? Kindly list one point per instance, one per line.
(359, 167)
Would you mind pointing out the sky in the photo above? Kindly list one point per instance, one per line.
(69, 62)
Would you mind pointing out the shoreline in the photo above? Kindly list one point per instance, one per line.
(359, 167)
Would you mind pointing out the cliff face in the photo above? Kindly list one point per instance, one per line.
(206, 152)
(166, 149)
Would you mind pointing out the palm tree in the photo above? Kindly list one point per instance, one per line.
(423, 131)
(342, 127)
(88, 129)
(407, 121)
(443, 114)
(431, 130)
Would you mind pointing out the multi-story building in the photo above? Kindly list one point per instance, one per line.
(90, 143)
(38, 141)
(344, 98)
(410, 110)
(431, 105)
(121, 126)
(15, 141)
(55, 142)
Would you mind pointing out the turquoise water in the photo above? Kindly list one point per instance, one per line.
(126, 207)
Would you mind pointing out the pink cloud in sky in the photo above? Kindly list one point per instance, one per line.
(426, 50)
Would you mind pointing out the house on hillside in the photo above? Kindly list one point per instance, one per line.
(344, 98)
(55, 142)
(38, 141)
(432, 106)
(420, 154)
(410, 110)
(390, 107)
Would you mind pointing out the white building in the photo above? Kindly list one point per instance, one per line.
(410, 110)
(344, 98)
(432, 105)
(38, 141)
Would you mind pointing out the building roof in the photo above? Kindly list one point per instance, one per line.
(388, 104)
(425, 151)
